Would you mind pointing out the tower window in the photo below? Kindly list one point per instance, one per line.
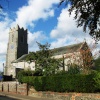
(22, 39)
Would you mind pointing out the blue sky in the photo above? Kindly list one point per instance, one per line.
(45, 23)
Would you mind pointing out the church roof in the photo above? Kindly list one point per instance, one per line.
(22, 58)
(67, 49)
(57, 51)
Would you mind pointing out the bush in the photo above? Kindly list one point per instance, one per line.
(65, 82)
(28, 79)
(97, 80)
(73, 69)
(22, 75)
(38, 83)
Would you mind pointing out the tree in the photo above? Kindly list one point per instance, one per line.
(97, 64)
(44, 63)
(31, 56)
(87, 14)
(73, 69)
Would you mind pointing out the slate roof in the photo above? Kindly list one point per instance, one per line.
(67, 49)
(23, 57)
(58, 51)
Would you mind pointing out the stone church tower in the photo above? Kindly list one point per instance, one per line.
(17, 46)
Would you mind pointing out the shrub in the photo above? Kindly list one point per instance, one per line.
(65, 82)
(69, 83)
(38, 83)
(97, 80)
(73, 69)
(20, 76)
(28, 79)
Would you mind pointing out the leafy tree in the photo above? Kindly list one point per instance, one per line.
(73, 69)
(97, 64)
(31, 56)
(87, 14)
(44, 63)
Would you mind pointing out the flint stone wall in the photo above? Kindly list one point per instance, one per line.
(23, 89)
(13, 87)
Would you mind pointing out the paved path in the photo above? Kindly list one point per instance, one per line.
(8, 96)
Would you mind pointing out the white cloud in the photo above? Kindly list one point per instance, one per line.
(4, 29)
(66, 32)
(66, 26)
(34, 10)
(1, 63)
(26, 16)
(38, 36)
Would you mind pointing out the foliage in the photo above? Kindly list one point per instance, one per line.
(61, 73)
(65, 83)
(97, 80)
(20, 76)
(87, 14)
(73, 69)
(97, 64)
(43, 61)
(38, 83)
(28, 79)
(31, 56)
(23, 73)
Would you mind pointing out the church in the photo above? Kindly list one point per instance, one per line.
(17, 51)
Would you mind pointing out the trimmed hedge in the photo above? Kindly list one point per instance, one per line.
(65, 83)
(28, 79)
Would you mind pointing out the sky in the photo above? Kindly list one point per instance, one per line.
(45, 21)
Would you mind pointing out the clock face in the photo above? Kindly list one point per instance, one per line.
(12, 46)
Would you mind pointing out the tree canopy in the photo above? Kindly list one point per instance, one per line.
(45, 64)
(87, 14)
(97, 63)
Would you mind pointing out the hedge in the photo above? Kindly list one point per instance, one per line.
(65, 83)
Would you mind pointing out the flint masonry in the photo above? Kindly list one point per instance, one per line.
(17, 46)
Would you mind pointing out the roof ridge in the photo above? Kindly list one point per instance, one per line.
(68, 45)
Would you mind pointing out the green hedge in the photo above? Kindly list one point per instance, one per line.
(65, 83)
(28, 79)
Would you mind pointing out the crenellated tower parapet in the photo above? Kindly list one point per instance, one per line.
(17, 46)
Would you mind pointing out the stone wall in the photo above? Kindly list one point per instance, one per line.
(14, 87)
(64, 96)
(23, 89)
